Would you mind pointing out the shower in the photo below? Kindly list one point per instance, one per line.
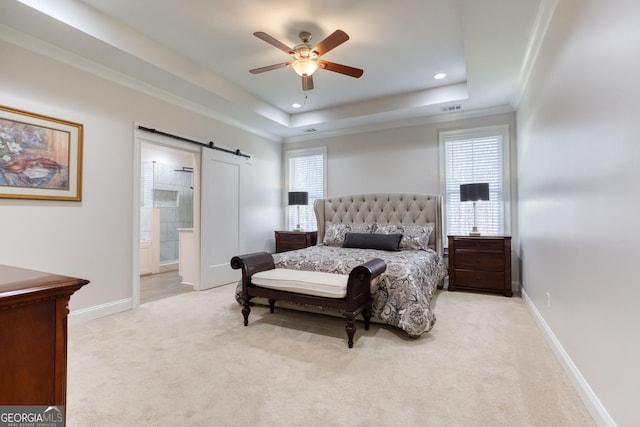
(185, 169)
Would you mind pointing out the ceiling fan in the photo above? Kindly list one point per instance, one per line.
(306, 58)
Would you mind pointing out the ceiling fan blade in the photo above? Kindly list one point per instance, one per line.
(339, 68)
(307, 82)
(267, 38)
(333, 40)
(269, 68)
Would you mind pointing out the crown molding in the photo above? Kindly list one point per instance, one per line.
(429, 119)
(58, 54)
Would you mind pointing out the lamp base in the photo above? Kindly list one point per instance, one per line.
(298, 229)
(474, 232)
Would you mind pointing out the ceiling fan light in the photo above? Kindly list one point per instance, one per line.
(304, 67)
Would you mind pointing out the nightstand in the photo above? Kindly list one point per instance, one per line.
(291, 240)
(480, 264)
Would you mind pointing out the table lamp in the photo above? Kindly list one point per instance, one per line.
(297, 198)
(473, 193)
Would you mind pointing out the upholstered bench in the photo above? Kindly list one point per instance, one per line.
(349, 293)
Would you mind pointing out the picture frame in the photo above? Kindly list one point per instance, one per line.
(40, 156)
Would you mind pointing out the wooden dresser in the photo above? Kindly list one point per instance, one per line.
(291, 240)
(33, 336)
(480, 264)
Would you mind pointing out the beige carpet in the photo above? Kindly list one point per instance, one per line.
(188, 361)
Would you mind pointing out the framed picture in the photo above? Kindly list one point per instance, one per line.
(40, 157)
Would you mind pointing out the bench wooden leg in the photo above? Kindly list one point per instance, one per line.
(351, 330)
(245, 312)
(272, 305)
(366, 313)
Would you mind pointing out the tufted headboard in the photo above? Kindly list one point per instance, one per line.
(392, 208)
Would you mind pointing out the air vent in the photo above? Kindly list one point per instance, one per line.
(451, 108)
(310, 130)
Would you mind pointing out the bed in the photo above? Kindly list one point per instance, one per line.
(403, 294)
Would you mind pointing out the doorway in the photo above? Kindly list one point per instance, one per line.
(167, 201)
(219, 199)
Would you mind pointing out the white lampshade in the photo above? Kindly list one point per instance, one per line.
(304, 66)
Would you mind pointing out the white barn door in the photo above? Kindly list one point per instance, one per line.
(221, 217)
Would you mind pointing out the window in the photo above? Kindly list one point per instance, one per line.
(306, 171)
(475, 156)
(147, 184)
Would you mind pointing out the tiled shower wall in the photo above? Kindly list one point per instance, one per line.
(173, 194)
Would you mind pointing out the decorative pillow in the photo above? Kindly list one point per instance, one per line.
(334, 233)
(385, 242)
(389, 229)
(414, 236)
(361, 228)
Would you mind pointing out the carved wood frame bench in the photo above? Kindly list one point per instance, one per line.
(358, 290)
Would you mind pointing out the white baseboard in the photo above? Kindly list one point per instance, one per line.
(95, 312)
(589, 398)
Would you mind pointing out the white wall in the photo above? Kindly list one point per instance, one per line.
(579, 152)
(92, 239)
(403, 159)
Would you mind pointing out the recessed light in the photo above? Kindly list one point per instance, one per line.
(296, 105)
(439, 76)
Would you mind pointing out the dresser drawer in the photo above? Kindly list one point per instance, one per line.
(291, 240)
(289, 246)
(481, 280)
(479, 261)
(484, 245)
(298, 238)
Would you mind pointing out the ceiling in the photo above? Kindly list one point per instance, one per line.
(199, 52)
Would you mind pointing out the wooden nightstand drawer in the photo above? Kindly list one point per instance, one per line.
(299, 238)
(479, 280)
(292, 240)
(479, 261)
(483, 245)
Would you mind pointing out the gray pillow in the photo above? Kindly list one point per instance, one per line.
(385, 242)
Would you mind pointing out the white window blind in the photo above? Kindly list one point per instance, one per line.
(475, 157)
(306, 172)
(147, 184)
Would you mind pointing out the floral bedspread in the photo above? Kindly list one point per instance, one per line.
(402, 298)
